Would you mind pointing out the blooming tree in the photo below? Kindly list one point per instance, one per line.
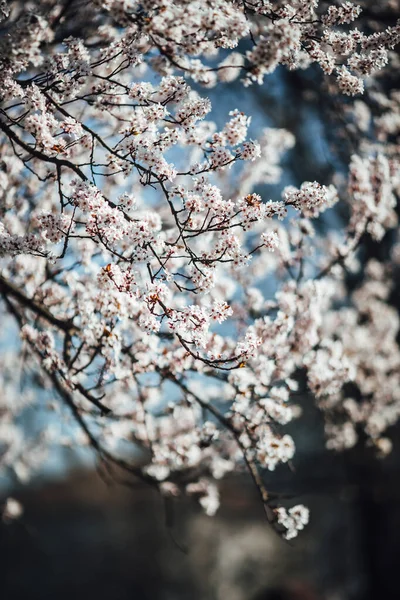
(133, 247)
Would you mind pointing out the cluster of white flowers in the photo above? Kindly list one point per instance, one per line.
(12, 244)
(295, 34)
(293, 520)
(270, 240)
(312, 198)
(11, 510)
(372, 184)
(134, 247)
(376, 374)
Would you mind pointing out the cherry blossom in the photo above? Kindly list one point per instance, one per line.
(136, 242)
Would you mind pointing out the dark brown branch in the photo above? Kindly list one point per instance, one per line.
(9, 289)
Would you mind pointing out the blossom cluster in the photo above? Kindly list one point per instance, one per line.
(170, 305)
(292, 520)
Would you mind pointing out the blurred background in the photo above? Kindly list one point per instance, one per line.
(81, 538)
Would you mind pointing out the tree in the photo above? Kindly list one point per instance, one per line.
(134, 249)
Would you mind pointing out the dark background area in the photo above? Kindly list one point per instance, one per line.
(80, 537)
